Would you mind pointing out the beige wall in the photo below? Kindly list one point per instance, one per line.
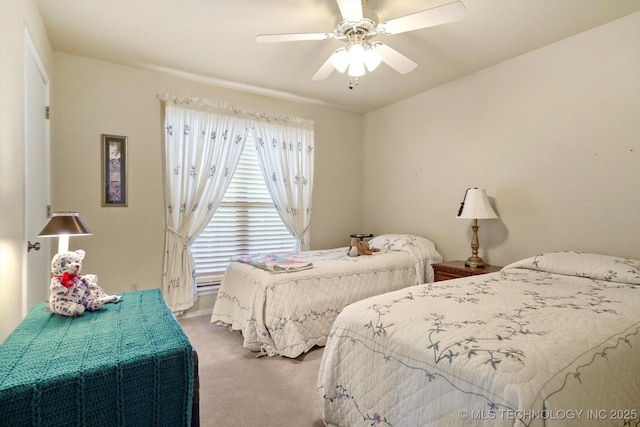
(16, 17)
(553, 136)
(126, 248)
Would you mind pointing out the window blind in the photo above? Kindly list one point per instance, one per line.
(245, 222)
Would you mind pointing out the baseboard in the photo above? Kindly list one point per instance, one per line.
(210, 290)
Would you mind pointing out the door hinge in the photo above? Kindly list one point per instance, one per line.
(48, 211)
(47, 112)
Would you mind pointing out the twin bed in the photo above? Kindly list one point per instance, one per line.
(289, 313)
(553, 340)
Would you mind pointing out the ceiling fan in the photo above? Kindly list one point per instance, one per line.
(358, 31)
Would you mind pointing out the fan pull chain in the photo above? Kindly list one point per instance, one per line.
(351, 84)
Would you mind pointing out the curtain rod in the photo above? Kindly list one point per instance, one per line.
(230, 109)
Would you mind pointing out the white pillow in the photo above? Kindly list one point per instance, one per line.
(404, 242)
(397, 241)
(594, 266)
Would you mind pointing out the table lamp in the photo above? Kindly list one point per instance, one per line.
(62, 225)
(475, 206)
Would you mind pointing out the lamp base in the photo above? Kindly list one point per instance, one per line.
(474, 262)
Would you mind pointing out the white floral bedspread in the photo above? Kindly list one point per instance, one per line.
(289, 313)
(553, 340)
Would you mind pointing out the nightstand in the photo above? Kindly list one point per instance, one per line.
(455, 269)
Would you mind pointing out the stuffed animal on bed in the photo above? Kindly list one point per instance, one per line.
(70, 292)
(357, 247)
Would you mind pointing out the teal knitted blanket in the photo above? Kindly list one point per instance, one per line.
(129, 364)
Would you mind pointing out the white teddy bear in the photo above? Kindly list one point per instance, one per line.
(70, 292)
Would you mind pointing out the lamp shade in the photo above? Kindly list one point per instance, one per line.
(65, 223)
(476, 205)
(372, 58)
(356, 69)
(340, 59)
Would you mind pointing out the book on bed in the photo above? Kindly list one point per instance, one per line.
(273, 263)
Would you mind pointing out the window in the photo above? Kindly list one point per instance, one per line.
(245, 222)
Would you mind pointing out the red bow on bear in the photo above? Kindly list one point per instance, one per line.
(68, 279)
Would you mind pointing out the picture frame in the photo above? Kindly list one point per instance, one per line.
(114, 170)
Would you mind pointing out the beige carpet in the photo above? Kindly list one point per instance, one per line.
(237, 389)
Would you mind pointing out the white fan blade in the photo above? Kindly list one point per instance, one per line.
(324, 71)
(351, 10)
(269, 38)
(427, 18)
(395, 59)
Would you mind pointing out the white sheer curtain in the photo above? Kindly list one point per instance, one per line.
(286, 154)
(202, 145)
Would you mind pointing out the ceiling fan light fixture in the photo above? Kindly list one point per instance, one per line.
(356, 51)
(340, 60)
(357, 26)
(356, 69)
(372, 58)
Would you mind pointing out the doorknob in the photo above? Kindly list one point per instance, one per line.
(35, 246)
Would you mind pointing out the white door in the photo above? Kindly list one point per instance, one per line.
(38, 178)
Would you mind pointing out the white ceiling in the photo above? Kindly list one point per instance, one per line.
(214, 41)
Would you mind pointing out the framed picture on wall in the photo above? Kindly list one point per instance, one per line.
(114, 170)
